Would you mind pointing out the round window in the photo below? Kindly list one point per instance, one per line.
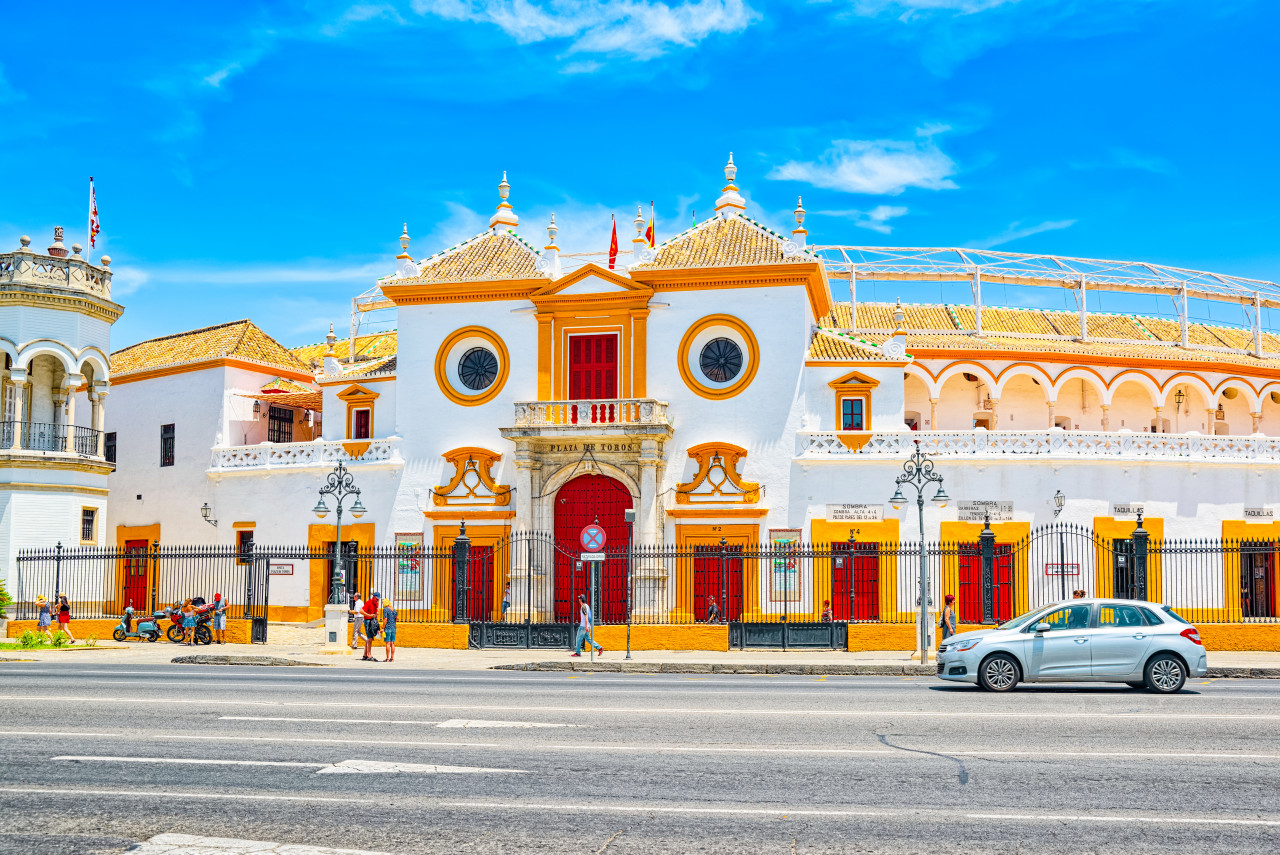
(721, 360)
(478, 368)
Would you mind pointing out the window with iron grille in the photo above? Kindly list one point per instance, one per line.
(166, 445)
(109, 446)
(244, 545)
(88, 525)
(279, 424)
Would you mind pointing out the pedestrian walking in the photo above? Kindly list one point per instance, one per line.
(948, 623)
(826, 611)
(506, 601)
(64, 616)
(585, 628)
(713, 610)
(188, 623)
(45, 618)
(219, 619)
(369, 613)
(357, 622)
(389, 615)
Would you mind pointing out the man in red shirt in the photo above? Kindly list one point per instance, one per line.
(369, 611)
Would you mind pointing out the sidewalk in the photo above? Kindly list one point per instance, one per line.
(303, 649)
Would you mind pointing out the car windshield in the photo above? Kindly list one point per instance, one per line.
(1179, 618)
(1018, 621)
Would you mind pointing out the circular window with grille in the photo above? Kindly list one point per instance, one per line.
(478, 368)
(721, 360)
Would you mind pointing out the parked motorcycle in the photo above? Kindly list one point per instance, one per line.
(203, 635)
(146, 627)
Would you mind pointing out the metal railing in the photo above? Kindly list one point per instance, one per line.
(39, 436)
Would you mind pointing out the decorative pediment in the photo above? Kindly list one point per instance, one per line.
(717, 480)
(854, 378)
(472, 484)
(592, 279)
(357, 394)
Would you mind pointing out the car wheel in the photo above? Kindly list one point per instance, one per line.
(998, 673)
(1165, 674)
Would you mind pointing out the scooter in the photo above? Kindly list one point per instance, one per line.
(146, 627)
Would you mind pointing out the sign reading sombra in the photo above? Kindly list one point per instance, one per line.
(855, 513)
(979, 510)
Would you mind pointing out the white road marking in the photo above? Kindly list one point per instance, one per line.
(473, 723)
(376, 766)
(526, 708)
(257, 797)
(640, 808)
(210, 761)
(55, 733)
(190, 844)
(343, 767)
(327, 720)
(1160, 820)
(671, 749)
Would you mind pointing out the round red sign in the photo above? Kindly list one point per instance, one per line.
(592, 538)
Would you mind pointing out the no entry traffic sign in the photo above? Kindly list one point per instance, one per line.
(592, 538)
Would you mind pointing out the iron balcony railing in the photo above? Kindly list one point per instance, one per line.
(38, 436)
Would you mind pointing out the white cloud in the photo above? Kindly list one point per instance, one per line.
(641, 28)
(359, 14)
(877, 219)
(1017, 231)
(875, 167)
(906, 9)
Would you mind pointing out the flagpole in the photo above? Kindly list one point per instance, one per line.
(89, 231)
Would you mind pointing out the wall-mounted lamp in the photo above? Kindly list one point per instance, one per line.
(206, 513)
(1221, 415)
(257, 409)
(1178, 397)
(1059, 502)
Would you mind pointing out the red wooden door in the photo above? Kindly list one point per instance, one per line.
(480, 583)
(135, 575)
(970, 558)
(855, 567)
(593, 366)
(717, 573)
(584, 500)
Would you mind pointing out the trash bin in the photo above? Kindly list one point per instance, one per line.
(258, 632)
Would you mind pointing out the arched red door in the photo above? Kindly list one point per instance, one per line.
(584, 500)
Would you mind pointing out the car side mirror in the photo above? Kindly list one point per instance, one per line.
(1042, 627)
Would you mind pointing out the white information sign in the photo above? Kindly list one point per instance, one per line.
(280, 569)
(1129, 510)
(977, 510)
(593, 556)
(1259, 513)
(855, 513)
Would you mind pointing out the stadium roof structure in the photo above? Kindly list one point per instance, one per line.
(975, 266)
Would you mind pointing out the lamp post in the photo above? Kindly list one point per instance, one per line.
(918, 472)
(1060, 502)
(340, 484)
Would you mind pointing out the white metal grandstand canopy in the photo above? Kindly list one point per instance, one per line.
(975, 266)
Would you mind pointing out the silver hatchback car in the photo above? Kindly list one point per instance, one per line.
(1136, 642)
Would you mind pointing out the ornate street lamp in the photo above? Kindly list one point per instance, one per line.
(340, 484)
(206, 513)
(1060, 502)
(918, 472)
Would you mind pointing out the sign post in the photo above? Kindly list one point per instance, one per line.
(593, 539)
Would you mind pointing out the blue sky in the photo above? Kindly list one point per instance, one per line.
(258, 160)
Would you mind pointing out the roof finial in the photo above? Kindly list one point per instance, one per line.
(552, 231)
(899, 317)
(504, 216)
(330, 340)
(404, 244)
(799, 234)
(730, 201)
(639, 221)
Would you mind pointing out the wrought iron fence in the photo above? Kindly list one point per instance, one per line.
(531, 582)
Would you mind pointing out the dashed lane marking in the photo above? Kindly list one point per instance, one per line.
(345, 767)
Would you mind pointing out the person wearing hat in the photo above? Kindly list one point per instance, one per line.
(45, 617)
(389, 618)
(64, 616)
(369, 611)
(219, 619)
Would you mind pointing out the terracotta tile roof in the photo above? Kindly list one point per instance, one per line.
(239, 339)
(880, 316)
(372, 346)
(385, 365)
(283, 385)
(732, 241)
(487, 256)
(828, 345)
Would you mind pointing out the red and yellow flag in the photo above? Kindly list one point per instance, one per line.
(613, 245)
(649, 233)
(94, 227)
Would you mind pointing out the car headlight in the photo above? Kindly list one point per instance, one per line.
(961, 646)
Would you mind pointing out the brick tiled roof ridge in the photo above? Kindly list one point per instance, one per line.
(489, 256)
(732, 241)
(242, 339)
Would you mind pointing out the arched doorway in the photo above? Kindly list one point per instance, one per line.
(581, 501)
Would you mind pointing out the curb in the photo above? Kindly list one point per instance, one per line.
(708, 668)
(806, 670)
(240, 660)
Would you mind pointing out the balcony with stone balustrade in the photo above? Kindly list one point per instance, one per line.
(603, 418)
(298, 456)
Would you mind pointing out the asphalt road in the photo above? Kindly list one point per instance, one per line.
(97, 759)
